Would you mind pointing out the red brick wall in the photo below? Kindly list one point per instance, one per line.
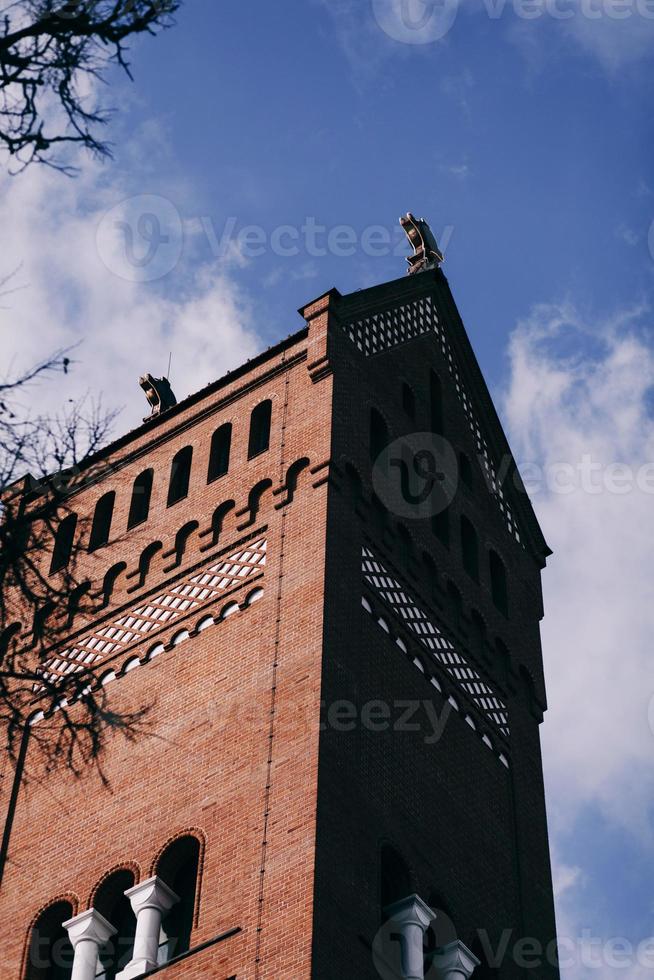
(205, 760)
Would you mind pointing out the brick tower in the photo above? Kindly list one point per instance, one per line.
(321, 578)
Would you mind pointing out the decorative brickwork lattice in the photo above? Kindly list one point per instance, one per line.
(387, 329)
(393, 593)
(158, 612)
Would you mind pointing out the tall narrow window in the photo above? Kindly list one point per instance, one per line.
(456, 604)
(395, 878)
(50, 954)
(221, 442)
(63, 545)
(378, 434)
(408, 401)
(440, 525)
(180, 475)
(465, 469)
(178, 868)
(436, 403)
(498, 582)
(469, 548)
(111, 902)
(260, 428)
(101, 527)
(139, 507)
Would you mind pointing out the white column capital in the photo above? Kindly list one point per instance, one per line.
(454, 961)
(410, 918)
(90, 926)
(410, 911)
(152, 894)
(150, 901)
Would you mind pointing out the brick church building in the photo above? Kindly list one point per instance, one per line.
(321, 578)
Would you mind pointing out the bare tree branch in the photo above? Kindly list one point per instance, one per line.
(42, 460)
(49, 51)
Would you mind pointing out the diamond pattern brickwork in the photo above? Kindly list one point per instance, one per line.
(431, 636)
(162, 610)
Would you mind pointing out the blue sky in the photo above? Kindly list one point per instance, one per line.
(528, 144)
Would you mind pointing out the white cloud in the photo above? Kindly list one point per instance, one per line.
(560, 407)
(72, 288)
(577, 387)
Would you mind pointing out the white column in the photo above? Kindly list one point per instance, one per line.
(150, 901)
(87, 933)
(410, 917)
(453, 962)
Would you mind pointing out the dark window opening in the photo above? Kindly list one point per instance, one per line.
(470, 548)
(111, 902)
(432, 573)
(260, 418)
(180, 475)
(63, 546)
(50, 954)
(178, 868)
(465, 469)
(101, 527)
(409, 401)
(436, 403)
(221, 442)
(478, 631)
(378, 434)
(405, 542)
(395, 878)
(379, 516)
(139, 507)
(456, 604)
(440, 525)
(498, 582)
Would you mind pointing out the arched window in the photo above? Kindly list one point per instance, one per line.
(436, 403)
(395, 879)
(378, 434)
(469, 548)
(498, 582)
(456, 604)
(221, 442)
(178, 868)
(409, 401)
(180, 475)
(405, 542)
(139, 507)
(111, 902)
(63, 546)
(440, 525)
(431, 572)
(49, 954)
(478, 631)
(259, 440)
(101, 526)
(465, 469)
(379, 515)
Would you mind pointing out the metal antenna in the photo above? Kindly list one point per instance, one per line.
(170, 357)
